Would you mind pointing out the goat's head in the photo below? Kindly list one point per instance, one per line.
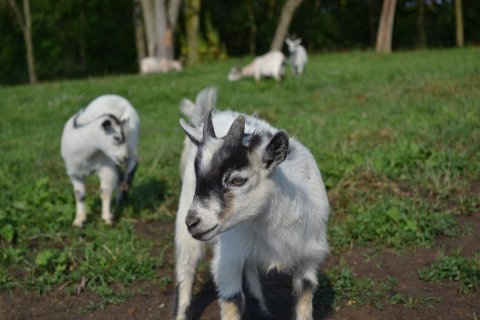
(112, 138)
(293, 44)
(235, 74)
(232, 182)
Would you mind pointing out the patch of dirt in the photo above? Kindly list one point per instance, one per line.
(155, 301)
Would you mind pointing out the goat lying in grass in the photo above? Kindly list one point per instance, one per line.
(257, 195)
(102, 137)
(159, 65)
(298, 55)
(268, 65)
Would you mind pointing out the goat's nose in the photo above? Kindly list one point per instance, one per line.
(192, 219)
(122, 159)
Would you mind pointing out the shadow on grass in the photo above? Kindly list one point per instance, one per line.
(278, 294)
(146, 195)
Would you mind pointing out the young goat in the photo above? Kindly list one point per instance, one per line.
(268, 65)
(298, 56)
(158, 65)
(102, 137)
(257, 195)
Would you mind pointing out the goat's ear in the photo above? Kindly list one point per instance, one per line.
(194, 134)
(276, 151)
(299, 41)
(106, 124)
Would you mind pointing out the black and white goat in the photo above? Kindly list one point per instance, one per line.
(270, 64)
(257, 195)
(298, 56)
(102, 137)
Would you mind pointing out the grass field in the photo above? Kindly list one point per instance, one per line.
(396, 137)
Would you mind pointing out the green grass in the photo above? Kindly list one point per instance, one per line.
(396, 138)
(455, 268)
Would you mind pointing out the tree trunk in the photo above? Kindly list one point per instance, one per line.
(288, 10)
(192, 22)
(253, 28)
(459, 35)
(161, 29)
(422, 34)
(173, 9)
(271, 9)
(28, 42)
(25, 24)
(149, 21)
(385, 27)
(172, 17)
(371, 22)
(139, 31)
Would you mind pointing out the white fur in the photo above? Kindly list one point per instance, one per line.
(159, 65)
(298, 55)
(88, 148)
(278, 219)
(268, 65)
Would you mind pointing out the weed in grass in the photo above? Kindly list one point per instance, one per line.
(391, 222)
(455, 268)
(343, 287)
(411, 301)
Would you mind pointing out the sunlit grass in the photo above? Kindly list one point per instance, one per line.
(396, 138)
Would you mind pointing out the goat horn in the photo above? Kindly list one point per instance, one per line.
(235, 133)
(208, 130)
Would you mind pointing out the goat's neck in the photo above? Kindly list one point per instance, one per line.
(248, 70)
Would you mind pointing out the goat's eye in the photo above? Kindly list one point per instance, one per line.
(238, 181)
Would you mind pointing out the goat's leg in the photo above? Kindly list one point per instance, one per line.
(188, 252)
(127, 179)
(108, 183)
(304, 282)
(255, 288)
(80, 211)
(227, 272)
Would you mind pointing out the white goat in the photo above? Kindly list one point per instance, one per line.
(256, 195)
(298, 55)
(102, 137)
(158, 65)
(268, 65)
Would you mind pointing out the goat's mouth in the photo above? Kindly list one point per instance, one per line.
(120, 161)
(205, 235)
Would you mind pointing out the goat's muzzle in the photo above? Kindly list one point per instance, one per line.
(192, 220)
(197, 229)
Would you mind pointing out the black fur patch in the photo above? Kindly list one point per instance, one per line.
(112, 117)
(254, 142)
(175, 303)
(131, 175)
(238, 300)
(80, 196)
(277, 150)
(227, 158)
(307, 286)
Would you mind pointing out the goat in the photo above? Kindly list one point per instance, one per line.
(257, 196)
(298, 55)
(102, 137)
(270, 64)
(159, 65)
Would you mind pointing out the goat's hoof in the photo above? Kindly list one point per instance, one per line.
(108, 221)
(78, 223)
